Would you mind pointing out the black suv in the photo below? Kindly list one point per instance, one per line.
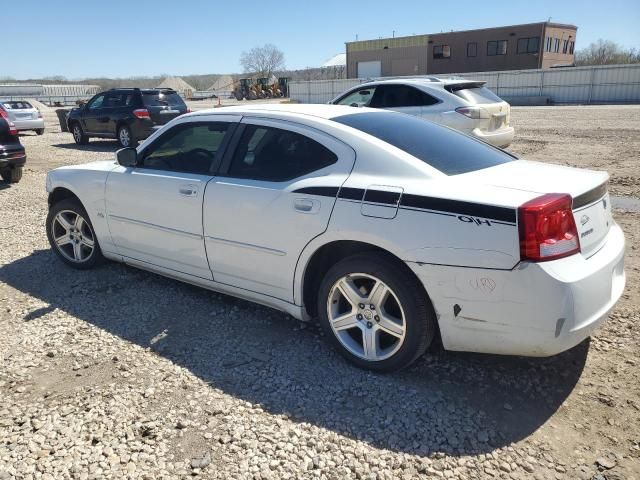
(12, 156)
(126, 114)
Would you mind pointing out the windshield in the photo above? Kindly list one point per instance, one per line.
(161, 99)
(22, 105)
(445, 149)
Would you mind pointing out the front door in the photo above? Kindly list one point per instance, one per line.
(93, 111)
(274, 194)
(155, 209)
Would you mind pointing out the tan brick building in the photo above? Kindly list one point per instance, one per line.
(515, 47)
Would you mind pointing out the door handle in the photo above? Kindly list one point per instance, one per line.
(305, 205)
(188, 190)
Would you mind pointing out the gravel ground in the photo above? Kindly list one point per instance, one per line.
(118, 373)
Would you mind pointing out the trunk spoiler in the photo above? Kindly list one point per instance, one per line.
(454, 87)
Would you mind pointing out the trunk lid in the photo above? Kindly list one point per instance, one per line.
(588, 188)
(476, 94)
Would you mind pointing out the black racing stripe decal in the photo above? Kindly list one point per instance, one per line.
(590, 197)
(351, 193)
(381, 196)
(440, 206)
(320, 191)
(461, 208)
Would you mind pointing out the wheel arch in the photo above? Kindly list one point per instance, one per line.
(328, 254)
(61, 193)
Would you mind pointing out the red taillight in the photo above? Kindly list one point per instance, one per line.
(547, 228)
(12, 128)
(141, 113)
(473, 112)
(188, 110)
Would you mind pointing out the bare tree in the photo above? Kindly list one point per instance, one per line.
(262, 61)
(606, 52)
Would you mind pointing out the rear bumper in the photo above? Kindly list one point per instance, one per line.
(12, 159)
(34, 124)
(536, 309)
(498, 138)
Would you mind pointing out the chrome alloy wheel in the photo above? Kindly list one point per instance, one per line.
(124, 137)
(77, 133)
(366, 316)
(72, 236)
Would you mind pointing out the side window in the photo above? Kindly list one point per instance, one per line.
(187, 148)
(277, 155)
(97, 102)
(359, 98)
(114, 99)
(393, 96)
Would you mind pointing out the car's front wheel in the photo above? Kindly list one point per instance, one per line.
(40, 131)
(78, 134)
(71, 235)
(125, 137)
(375, 312)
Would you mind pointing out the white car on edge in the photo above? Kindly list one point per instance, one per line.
(389, 229)
(465, 105)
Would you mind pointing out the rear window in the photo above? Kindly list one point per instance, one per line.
(446, 150)
(476, 95)
(22, 105)
(161, 99)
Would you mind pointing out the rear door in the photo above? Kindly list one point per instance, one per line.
(163, 106)
(275, 193)
(117, 107)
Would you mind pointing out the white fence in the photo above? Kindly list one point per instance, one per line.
(583, 85)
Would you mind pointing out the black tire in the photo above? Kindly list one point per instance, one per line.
(420, 319)
(39, 131)
(73, 205)
(78, 134)
(124, 132)
(12, 175)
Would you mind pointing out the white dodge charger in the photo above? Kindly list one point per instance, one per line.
(390, 230)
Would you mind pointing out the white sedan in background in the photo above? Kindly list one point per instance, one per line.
(24, 115)
(388, 229)
(467, 106)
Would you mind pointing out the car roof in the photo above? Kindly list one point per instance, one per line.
(323, 111)
(423, 81)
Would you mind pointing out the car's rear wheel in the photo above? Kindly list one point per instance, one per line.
(11, 175)
(125, 137)
(78, 134)
(39, 131)
(71, 235)
(375, 312)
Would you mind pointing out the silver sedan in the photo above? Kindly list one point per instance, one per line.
(24, 115)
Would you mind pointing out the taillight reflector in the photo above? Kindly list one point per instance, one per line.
(547, 228)
(12, 128)
(141, 113)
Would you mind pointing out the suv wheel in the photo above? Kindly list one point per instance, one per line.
(376, 314)
(71, 235)
(78, 134)
(39, 131)
(125, 138)
(11, 175)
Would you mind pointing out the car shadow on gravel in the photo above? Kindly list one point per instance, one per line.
(460, 404)
(92, 146)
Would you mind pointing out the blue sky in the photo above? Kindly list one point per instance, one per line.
(116, 38)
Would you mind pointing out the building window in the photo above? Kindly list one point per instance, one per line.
(472, 49)
(549, 43)
(528, 45)
(571, 47)
(556, 45)
(496, 47)
(441, 51)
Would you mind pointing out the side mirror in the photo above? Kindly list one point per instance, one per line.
(127, 157)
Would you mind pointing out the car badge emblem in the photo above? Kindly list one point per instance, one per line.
(584, 219)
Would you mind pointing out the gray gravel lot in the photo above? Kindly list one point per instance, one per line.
(118, 373)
